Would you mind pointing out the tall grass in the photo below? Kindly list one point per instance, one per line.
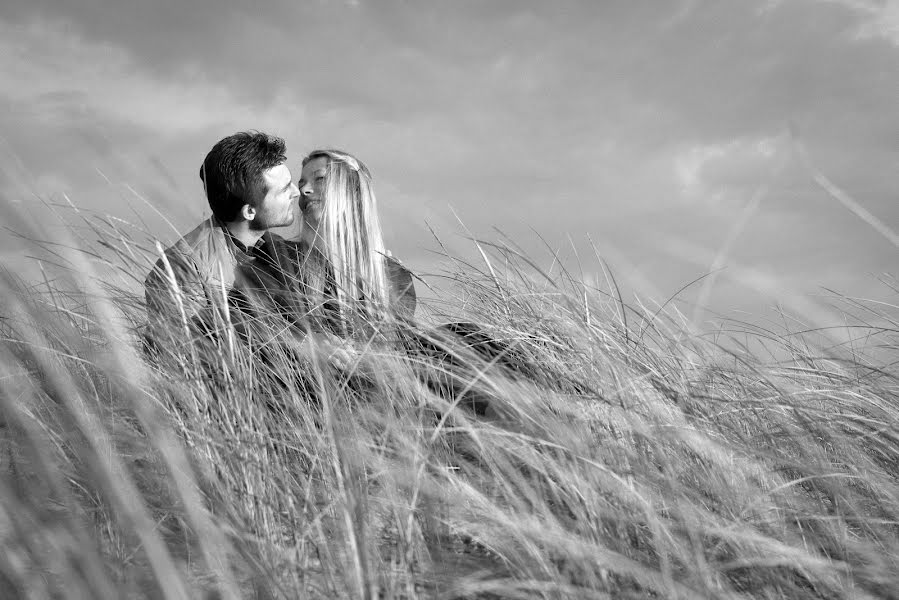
(621, 454)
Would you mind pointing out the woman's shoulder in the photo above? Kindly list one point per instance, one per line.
(397, 269)
(402, 287)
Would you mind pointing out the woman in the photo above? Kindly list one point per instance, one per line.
(355, 290)
(352, 287)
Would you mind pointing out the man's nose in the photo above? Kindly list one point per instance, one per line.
(295, 191)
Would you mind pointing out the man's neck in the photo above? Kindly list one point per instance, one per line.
(242, 233)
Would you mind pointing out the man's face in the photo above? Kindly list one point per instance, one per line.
(278, 207)
(312, 185)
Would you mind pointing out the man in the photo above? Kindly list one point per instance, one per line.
(230, 255)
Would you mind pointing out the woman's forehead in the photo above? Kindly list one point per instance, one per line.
(317, 163)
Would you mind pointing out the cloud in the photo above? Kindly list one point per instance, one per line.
(877, 18)
(737, 167)
(58, 77)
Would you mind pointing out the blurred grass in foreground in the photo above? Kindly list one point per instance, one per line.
(623, 455)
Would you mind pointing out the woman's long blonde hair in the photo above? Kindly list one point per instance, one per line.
(349, 236)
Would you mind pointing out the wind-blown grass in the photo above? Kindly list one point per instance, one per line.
(622, 454)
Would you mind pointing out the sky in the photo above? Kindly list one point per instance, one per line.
(678, 137)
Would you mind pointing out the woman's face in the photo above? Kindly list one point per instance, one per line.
(312, 185)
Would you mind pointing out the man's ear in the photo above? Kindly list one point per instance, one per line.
(247, 212)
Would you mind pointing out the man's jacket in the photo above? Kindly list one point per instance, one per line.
(198, 277)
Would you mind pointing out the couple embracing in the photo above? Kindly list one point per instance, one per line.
(336, 283)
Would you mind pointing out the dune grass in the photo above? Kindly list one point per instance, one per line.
(621, 454)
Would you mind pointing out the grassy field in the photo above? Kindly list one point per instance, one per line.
(621, 455)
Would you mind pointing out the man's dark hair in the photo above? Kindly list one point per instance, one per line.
(232, 171)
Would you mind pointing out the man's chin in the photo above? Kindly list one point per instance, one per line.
(288, 221)
(266, 225)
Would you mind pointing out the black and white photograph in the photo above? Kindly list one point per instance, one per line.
(460, 299)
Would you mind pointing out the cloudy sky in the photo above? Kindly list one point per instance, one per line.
(672, 134)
